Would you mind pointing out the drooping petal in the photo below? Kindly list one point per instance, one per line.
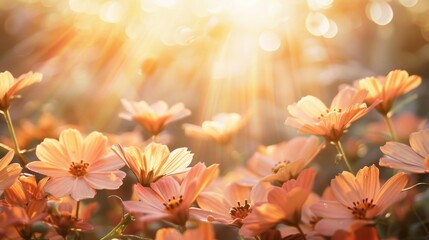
(402, 153)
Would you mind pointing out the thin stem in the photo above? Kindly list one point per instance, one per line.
(301, 232)
(390, 125)
(77, 210)
(154, 138)
(22, 160)
(341, 152)
(77, 236)
(415, 185)
(119, 229)
(5, 147)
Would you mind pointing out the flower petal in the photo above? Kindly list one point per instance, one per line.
(82, 190)
(60, 186)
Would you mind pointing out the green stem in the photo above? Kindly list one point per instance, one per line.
(301, 232)
(390, 125)
(342, 154)
(119, 229)
(22, 160)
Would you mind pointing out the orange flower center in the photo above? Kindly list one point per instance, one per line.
(359, 208)
(279, 165)
(173, 203)
(78, 169)
(240, 211)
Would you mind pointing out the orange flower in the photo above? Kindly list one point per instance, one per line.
(28, 194)
(153, 117)
(8, 172)
(222, 129)
(359, 200)
(284, 205)
(285, 160)
(77, 166)
(154, 162)
(388, 88)
(202, 231)
(9, 86)
(311, 116)
(412, 159)
(170, 199)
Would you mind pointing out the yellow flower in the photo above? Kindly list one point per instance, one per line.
(154, 118)
(9, 86)
(388, 88)
(154, 162)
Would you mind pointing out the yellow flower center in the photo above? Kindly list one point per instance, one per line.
(359, 209)
(240, 211)
(78, 169)
(279, 165)
(329, 112)
(173, 203)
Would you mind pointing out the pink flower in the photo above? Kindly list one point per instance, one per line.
(284, 205)
(154, 162)
(155, 117)
(285, 160)
(412, 159)
(9, 86)
(8, 172)
(77, 166)
(231, 207)
(359, 200)
(170, 199)
(311, 116)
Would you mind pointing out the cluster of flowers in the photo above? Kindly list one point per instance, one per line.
(271, 197)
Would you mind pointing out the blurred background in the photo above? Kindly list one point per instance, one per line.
(244, 56)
